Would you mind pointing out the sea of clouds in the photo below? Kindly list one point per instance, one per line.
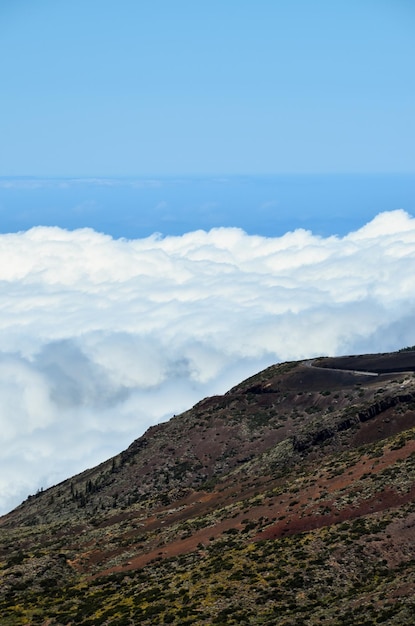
(101, 338)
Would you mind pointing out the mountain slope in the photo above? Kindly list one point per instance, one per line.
(290, 499)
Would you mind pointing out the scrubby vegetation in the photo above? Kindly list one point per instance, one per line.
(289, 500)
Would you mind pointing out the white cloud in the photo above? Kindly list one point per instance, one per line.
(100, 338)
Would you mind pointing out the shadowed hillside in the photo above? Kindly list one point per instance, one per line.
(288, 500)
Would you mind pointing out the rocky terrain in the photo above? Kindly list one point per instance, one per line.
(288, 500)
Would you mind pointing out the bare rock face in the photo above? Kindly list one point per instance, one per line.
(383, 405)
(289, 499)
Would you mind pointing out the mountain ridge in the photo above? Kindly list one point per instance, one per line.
(314, 448)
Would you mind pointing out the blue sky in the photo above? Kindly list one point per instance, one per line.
(139, 87)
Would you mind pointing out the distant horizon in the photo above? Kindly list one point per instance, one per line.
(266, 205)
(178, 175)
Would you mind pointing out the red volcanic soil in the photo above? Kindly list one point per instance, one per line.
(327, 512)
(312, 506)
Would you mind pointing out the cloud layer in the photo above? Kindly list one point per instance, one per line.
(100, 338)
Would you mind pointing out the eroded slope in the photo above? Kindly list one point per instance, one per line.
(295, 491)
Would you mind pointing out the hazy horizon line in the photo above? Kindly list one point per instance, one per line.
(215, 175)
